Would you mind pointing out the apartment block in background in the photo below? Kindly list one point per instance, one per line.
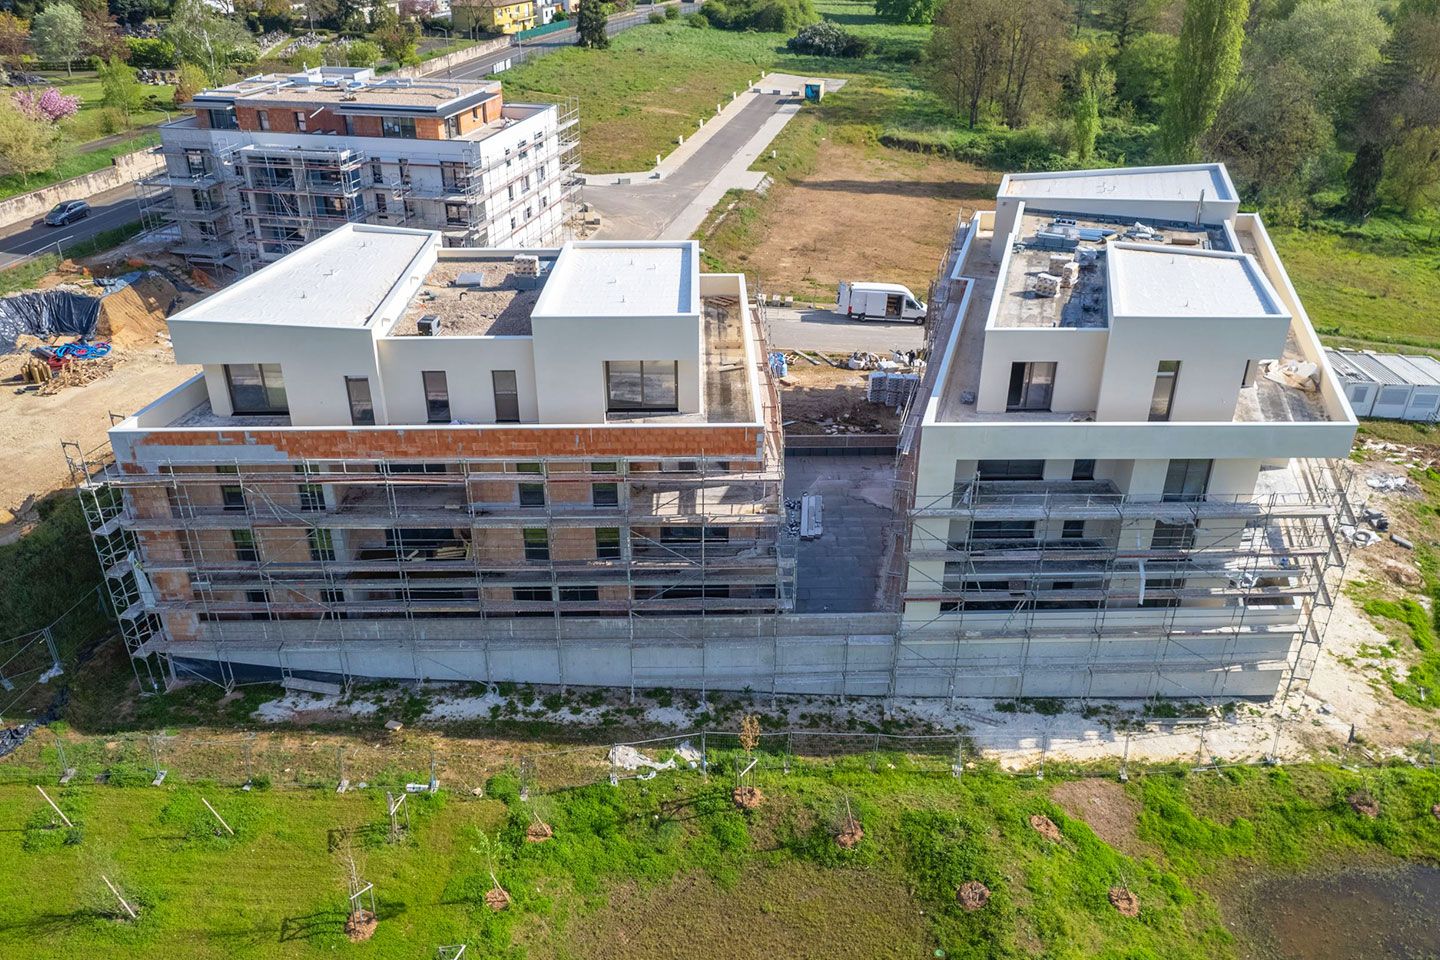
(268, 164)
(1118, 479)
(392, 440)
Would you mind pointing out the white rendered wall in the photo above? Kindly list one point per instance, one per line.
(468, 363)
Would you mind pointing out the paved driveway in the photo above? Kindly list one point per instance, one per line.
(807, 329)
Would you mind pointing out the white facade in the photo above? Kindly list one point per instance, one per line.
(1105, 442)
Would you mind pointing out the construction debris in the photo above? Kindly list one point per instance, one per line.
(1299, 374)
(628, 758)
(812, 516)
(1387, 483)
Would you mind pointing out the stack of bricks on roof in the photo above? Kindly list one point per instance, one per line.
(565, 464)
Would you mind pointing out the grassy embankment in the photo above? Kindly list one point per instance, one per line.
(633, 871)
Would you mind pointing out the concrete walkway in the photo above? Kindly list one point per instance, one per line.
(671, 201)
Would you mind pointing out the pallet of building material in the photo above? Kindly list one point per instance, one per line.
(812, 518)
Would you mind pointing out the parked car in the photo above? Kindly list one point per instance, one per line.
(888, 301)
(67, 213)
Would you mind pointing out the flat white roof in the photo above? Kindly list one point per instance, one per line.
(624, 279)
(1129, 183)
(338, 280)
(1165, 281)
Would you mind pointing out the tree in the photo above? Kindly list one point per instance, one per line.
(27, 145)
(1270, 130)
(205, 38)
(321, 10)
(962, 54)
(1334, 41)
(1206, 65)
(397, 41)
(1412, 171)
(50, 105)
(1095, 85)
(1362, 180)
(1034, 55)
(57, 32)
(101, 38)
(14, 39)
(1142, 72)
(121, 89)
(590, 25)
(190, 81)
(362, 53)
(1126, 19)
(906, 11)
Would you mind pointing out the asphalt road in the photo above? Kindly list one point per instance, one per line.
(642, 209)
(116, 208)
(807, 329)
(111, 209)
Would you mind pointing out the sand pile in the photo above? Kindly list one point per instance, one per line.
(135, 314)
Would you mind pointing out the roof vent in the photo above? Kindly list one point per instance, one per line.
(428, 325)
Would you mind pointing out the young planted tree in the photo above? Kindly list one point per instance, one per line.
(57, 33)
(1206, 65)
(590, 24)
(122, 90)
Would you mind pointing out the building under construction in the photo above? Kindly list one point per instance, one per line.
(566, 466)
(270, 163)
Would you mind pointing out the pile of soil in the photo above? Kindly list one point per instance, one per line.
(135, 315)
(1364, 804)
(1435, 811)
(747, 798)
(1044, 826)
(538, 832)
(497, 899)
(850, 835)
(1122, 899)
(360, 926)
(972, 895)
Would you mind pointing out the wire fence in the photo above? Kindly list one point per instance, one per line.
(287, 759)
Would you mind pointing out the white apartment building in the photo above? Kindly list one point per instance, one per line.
(1117, 479)
(270, 163)
(472, 463)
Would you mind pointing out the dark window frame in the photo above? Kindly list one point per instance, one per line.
(1030, 389)
(1162, 395)
(362, 411)
(263, 373)
(668, 402)
(437, 396)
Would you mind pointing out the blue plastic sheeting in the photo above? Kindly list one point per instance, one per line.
(47, 313)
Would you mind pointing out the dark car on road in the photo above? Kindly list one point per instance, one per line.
(67, 213)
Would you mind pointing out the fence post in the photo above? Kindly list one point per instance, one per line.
(704, 757)
(959, 756)
(875, 755)
(789, 749)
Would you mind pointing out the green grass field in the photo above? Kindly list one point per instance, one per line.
(639, 870)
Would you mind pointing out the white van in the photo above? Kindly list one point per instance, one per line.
(888, 301)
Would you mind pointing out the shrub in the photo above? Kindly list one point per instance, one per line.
(672, 11)
(824, 39)
(766, 16)
(656, 17)
(154, 53)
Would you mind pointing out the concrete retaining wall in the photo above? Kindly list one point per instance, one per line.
(436, 68)
(123, 170)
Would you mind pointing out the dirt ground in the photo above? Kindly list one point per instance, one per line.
(32, 425)
(865, 212)
(1107, 809)
(819, 400)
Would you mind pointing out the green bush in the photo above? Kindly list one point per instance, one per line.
(656, 17)
(824, 39)
(672, 11)
(766, 16)
(155, 53)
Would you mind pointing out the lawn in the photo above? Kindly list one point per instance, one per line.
(635, 870)
(92, 123)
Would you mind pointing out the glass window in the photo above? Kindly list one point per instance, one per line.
(579, 594)
(607, 543)
(1003, 530)
(537, 544)
(530, 466)
(322, 545)
(1187, 480)
(223, 119)
(398, 127)
(532, 594)
(1173, 536)
(532, 494)
(437, 396)
(605, 466)
(507, 396)
(1031, 386)
(312, 497)
(642, 384)
(377, 172)
(362, 409)
(1163, 394)
(1011, 470)
(605, 494)
(244, 542)
(1083, 470)
(256, 388)
(1073, 530)
(263, 116)
(232, 497)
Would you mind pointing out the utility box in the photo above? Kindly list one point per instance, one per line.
(814, 90)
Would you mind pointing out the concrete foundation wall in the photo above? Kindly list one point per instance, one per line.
(853, 655)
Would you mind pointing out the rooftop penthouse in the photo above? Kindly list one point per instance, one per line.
(1085, 293)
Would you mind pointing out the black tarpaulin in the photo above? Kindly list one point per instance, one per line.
(46, 313)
